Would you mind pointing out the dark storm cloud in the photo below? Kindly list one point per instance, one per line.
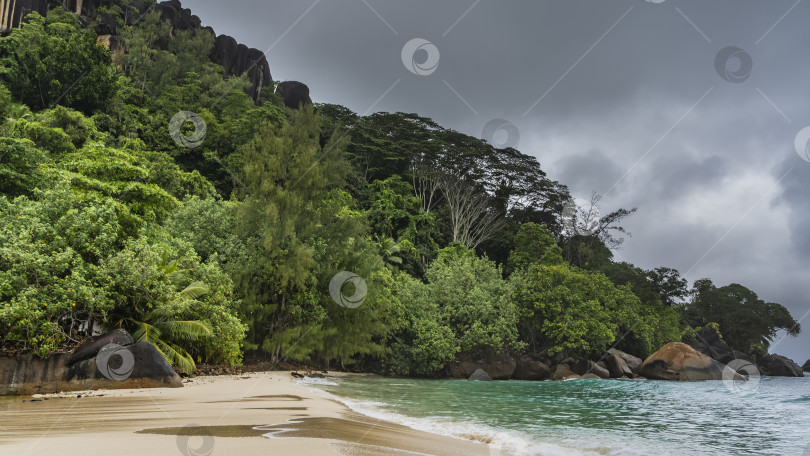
(621, 97)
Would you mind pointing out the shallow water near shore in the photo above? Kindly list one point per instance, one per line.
(595, 417)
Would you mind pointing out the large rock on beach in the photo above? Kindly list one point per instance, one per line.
(806, 366)
(633, 362)
(618, 367)
(584, 367)
(529, 369)
(709, 343)
(778, 366)
(90, 347)
(110, 361)
(678, 361)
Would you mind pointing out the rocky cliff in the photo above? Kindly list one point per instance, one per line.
(236, 58)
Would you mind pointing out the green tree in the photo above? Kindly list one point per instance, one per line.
(19, 166)
(534, 244)
(300, 230)
(747, 322)
(577, 312)
(54, 61)
(464, 311)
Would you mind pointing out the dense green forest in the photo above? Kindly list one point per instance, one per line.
(216, 235)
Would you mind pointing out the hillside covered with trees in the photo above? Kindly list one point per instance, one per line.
(145, 189)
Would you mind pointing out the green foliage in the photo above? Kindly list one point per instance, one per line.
(577, 312)
(299, 230)
(51, 282)
(19, 166)
(209, 226)
(78, 127)
(50, 61)
(171, 305)
(53, 140)
(394, 213)
(464, 310)
(259, 218)
(586, 252)
(746, 321)
(534, 244)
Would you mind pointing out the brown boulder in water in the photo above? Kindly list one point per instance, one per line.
(678, 361)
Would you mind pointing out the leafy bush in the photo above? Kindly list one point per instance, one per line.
(463, 310)
(19, 166)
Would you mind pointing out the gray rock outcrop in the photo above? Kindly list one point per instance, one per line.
(101, 363)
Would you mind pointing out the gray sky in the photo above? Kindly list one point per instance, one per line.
(621, 97)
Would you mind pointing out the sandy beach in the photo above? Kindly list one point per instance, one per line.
(249, 414)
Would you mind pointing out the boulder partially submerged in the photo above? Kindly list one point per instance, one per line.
(678, 361)
(778, 366)
(806, 366)
(480, 376)
(529, 369)
(497, 367)
(564, 372)
(110, 361)
(587, 368)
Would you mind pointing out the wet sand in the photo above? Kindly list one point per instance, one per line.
(251, 414)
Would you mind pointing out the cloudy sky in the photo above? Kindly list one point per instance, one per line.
(686, 109)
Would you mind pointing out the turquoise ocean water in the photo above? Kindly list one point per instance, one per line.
(595, 417)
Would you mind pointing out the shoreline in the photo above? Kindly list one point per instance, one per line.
(252, 413)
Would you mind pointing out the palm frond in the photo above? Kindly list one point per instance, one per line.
(176, 356)
(194, 291)
(184, 329)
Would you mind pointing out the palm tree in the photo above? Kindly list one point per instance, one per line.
(160, 327)
(388, 250)
(167, 334)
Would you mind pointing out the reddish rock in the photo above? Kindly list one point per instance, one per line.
(678, 361)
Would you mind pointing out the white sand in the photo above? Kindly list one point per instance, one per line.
(217, 414)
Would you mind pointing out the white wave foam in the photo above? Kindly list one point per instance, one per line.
(501, 442)
(317, 381)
